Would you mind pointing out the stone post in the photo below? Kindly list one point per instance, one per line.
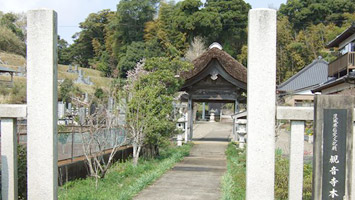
(186, 117)
(42, 102)
(261, 104)
(9, 158)
(9, 114)
(296, 160)
(236, 110)
(242, 131)
(298, 116)
(190, 117)
(203, 111)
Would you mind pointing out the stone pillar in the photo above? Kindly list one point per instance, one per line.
(261, 104)
(9, 158)
(186, 118)
(42, 102)
(190, 117)
(86, 99)
(295, 184)
(242, 131)
(61, 110)
(203, 111)
(236, 110)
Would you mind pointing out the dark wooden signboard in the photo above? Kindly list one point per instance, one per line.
(334, 153)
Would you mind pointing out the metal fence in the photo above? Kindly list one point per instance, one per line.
(71, 141)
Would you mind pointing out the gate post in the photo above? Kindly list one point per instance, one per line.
(261, 104)
(190, 117)
(42, 101)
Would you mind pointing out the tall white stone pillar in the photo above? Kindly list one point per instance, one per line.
(42, 104)
(261, 104)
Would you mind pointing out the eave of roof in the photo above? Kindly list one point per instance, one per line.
(330, 84)
(311, 87)
(230, 65)
(340, 38)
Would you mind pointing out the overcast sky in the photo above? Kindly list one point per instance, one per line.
(72, 12)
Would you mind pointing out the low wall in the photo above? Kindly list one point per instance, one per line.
(68, 170)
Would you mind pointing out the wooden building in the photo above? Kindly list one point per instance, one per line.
(342, 70)
(216, 77)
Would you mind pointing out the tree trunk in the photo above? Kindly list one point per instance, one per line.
(136, 151)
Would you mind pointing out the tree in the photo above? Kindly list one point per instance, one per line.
(102, 134)
(196, 49)
(162, 36)
(136, 118)
(67, 90)
(134, 53)
(234, 19)
(12, 33)
(13, 21)
(63, 52)
(302, 13)
(9, 42)
(129, 23)
(90, 43)
(222, 21)
(149, 89)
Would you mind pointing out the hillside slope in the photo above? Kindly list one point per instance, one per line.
(14, 61)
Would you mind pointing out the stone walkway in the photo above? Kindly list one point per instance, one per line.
(199, 175)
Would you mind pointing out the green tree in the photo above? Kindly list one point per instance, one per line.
(90, 42)
(129, 23)
(12, 33)
(134, 53)
(234, 19)
(303, 13)
(222, 21)
(10, 20)
(9, 42)
(150, 88)
(66, 89)
(63, 52)
(162, 37)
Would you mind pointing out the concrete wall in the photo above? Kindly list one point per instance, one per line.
(79, 169)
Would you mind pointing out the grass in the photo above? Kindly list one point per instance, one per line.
(233, 182)
(12, 59)
(124, 180)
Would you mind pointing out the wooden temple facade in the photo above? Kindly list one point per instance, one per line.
(216, 77)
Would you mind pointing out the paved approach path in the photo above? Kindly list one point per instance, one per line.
(199, 175)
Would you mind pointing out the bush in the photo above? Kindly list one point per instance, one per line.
(9, 42)
(281, 178)
(234, 180)
(18, 93)
(22, 171)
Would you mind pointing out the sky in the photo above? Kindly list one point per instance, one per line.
(72, 12)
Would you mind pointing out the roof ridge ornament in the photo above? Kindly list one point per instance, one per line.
(215, 45)
(214, 74)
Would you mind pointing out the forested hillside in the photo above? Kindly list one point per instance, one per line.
(114, 41)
